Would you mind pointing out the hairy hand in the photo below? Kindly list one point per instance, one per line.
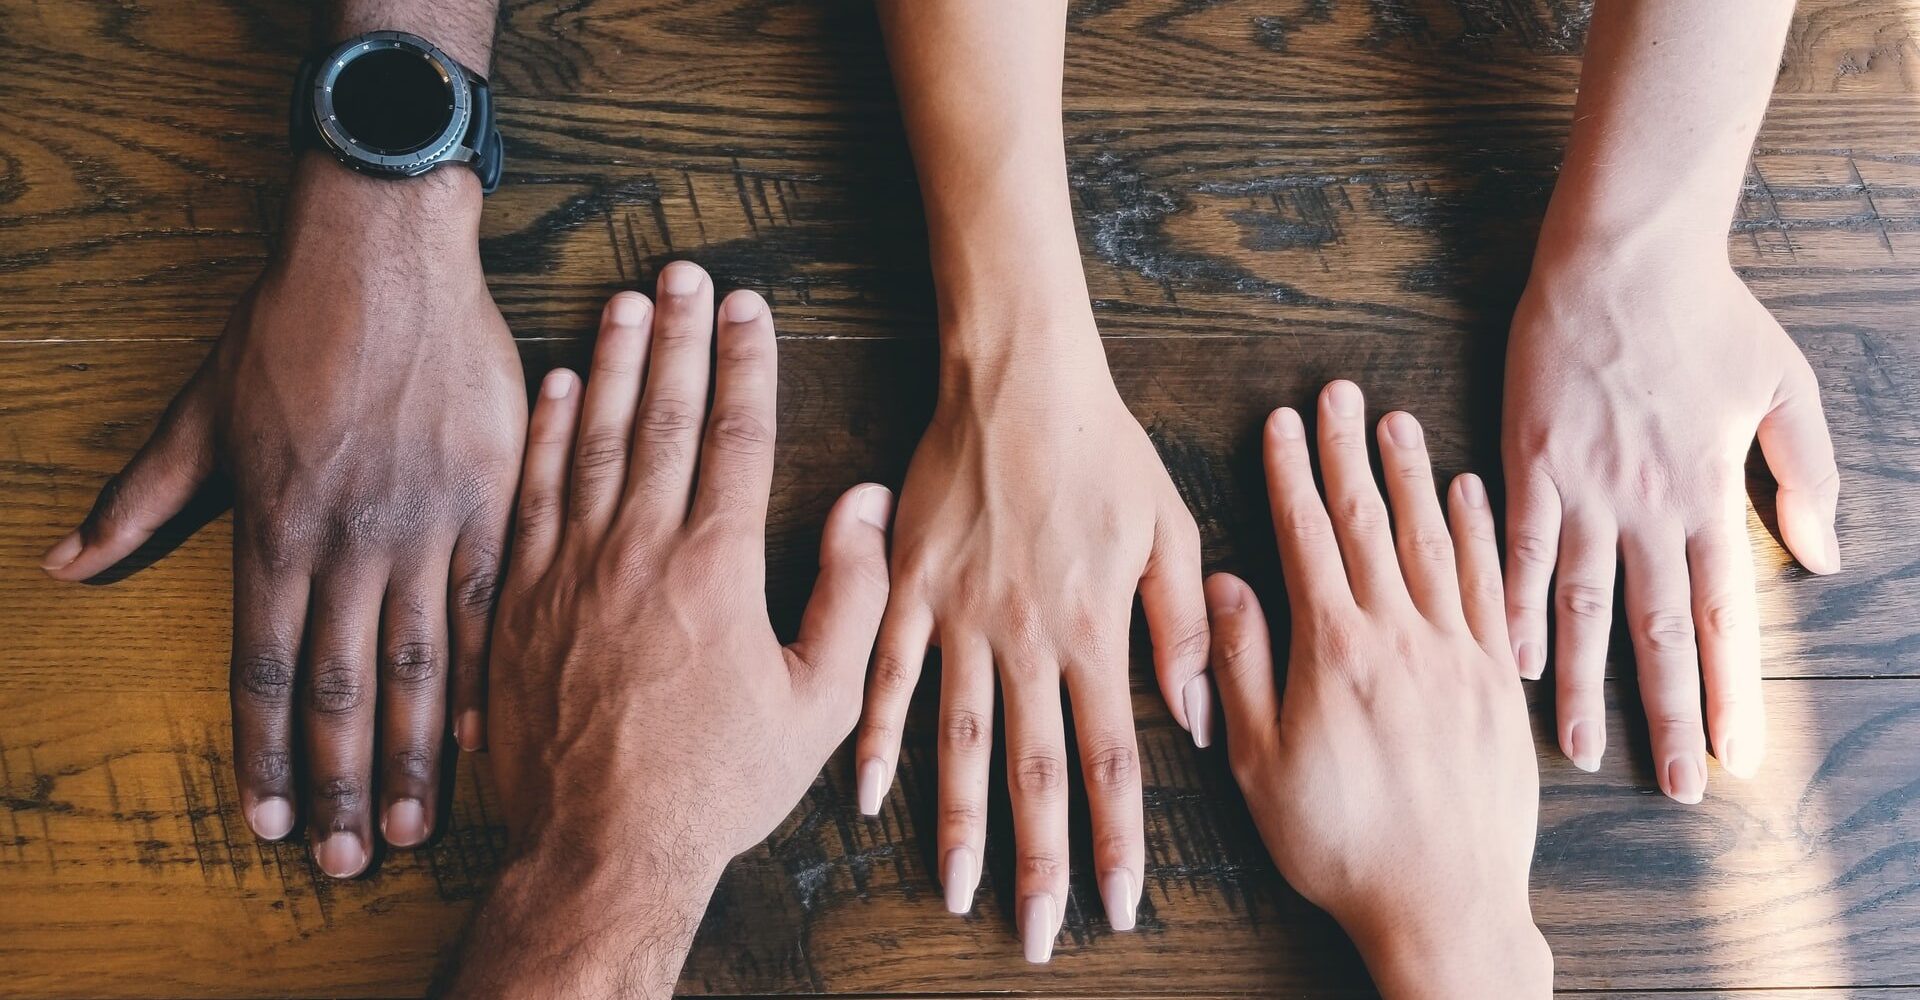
(646, 725)
(1394, 784)
(367, 404)
(1033, 511)
(1633, 394)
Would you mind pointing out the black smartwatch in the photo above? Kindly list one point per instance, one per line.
(390, 104)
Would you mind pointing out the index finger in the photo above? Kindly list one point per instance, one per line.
(1309, 556)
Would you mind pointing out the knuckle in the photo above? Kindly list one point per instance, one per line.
(1302, 524)
(267, 677)
(1040, 775)
(1532, 548)
(1362, 515)
(878, 734)
(1429, 544)
(1722, 616)
(539, 507)
(268, 767)
(1041, 866)
(336, 689)
(1193, 638)
(1667, 631)
(668, 418)
(344, 795)
(962, 815)
(964, 732)
(894, 673)
(600, 452)
(1484, 587)
(1584, 601)
(476, 590)
(738, 430)
(413, 663)
(1113, 768)
(413, 763)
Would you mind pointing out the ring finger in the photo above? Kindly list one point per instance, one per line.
(338, 710)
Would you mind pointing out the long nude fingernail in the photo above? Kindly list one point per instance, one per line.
(960, 877)
(63, 552)
(341, 855)
(1036, 927)
(1198, 701)
(873, 785)
(1116, 894)
(271, 818)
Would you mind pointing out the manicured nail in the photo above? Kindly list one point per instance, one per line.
(1198, 701)
(405, 823)
(271, 818)
(1473, 491)
(1036, 927)
(1343, 397)
(1686, 780)
(680, 278)
(1116, 894)
(1404, 430)
(744, 306)
(1531, 660)
(960, 878)
(1735, 760)
(1585, 744)
(470, 731)
(627, 309)
(64, 552)
(341, 855)
(557, 384)
(1286, 423)
(875, 506)
(873, 785)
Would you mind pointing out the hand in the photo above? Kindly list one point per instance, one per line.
(1033, 510)
(1395, 784)
(647, 726)
(1634, 391)
(366, 401)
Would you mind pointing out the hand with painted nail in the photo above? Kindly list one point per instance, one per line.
(369, 418)
(1394, 783)
(1633, 395)
(645, 724)
(1639, 371)
(1036, 507)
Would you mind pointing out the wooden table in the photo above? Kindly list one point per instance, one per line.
(1269, 193)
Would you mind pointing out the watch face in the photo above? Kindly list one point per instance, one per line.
(392, 101)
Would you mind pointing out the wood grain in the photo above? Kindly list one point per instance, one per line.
(1269, 192)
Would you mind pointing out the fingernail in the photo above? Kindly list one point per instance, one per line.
(470, 731)
(1585, 744)
(1116, 894)
(1531, 660)
(744, 306)
(960, 879)
(64, 552)
(627, 309)
(1343, 397)
(1830, 549)
(1036, 928)
(1404, 430)
(875, 506)
(1286, 423)
(1198, 701)
(1735, 760)
(680, 278)
(405, 823)
(1686, 780)
(341, 855)
(271, 818)
(557, 384)
(873, 785)
(1473, 491)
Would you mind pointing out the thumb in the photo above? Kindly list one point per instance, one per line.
(837, 630)
(162, 477)
(1794, 438)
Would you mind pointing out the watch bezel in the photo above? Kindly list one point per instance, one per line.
(443, 147)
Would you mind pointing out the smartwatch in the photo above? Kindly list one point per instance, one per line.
(390, 104)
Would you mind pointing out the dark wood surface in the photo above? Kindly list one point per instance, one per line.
(1269, 193)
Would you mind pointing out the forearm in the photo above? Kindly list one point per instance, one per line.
(1671, 97)
(979, 84)
(462, 29)
(570, 922)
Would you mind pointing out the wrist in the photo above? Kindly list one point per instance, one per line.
(1467, 952)
(1588, 220)
(327, 198)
